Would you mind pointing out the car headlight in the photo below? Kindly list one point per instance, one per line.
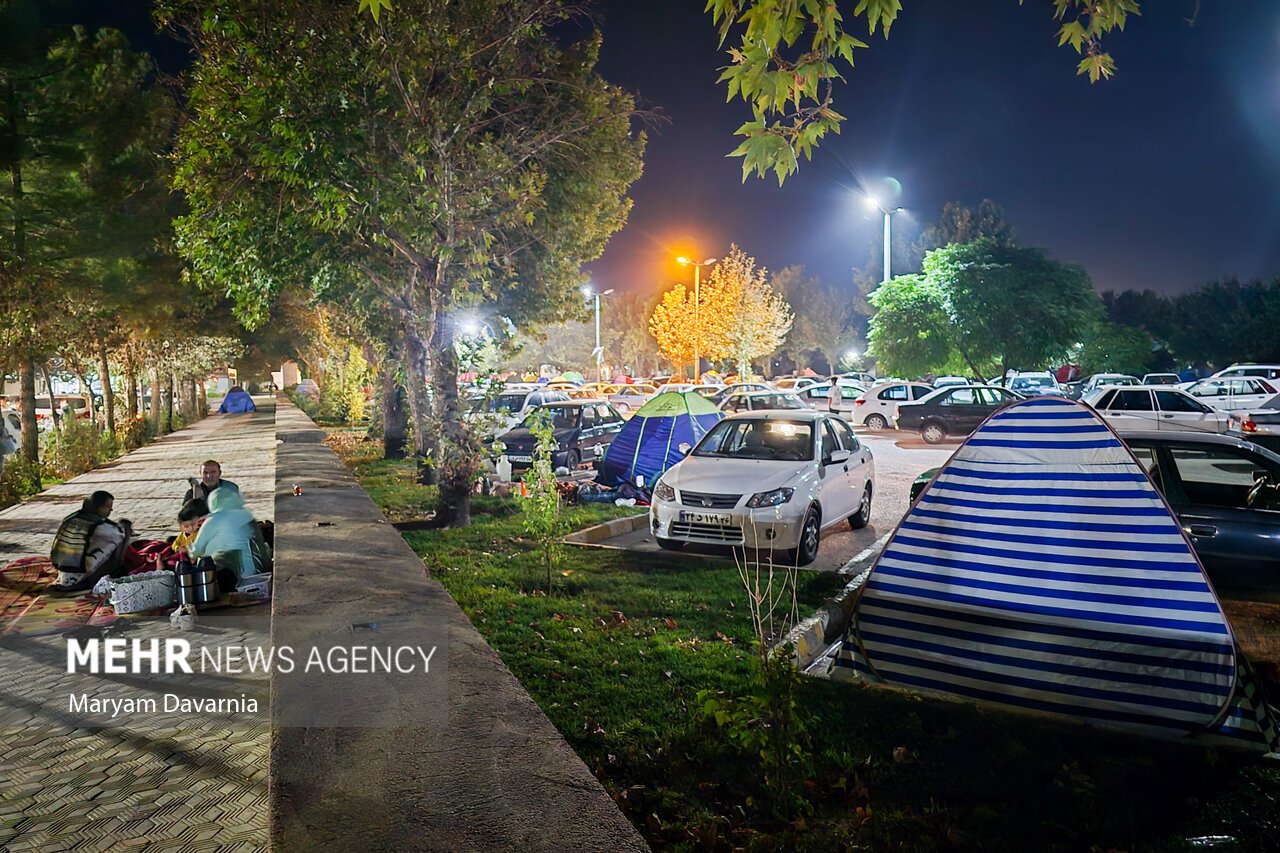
(663, 492)
(770, 498)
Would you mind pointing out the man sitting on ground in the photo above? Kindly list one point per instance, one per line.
(210, 479)
(88, 544)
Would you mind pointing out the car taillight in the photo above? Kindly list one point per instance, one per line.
(1247, 425)
(859, 402)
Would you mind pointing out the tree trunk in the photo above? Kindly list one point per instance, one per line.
(203, 393)
(395, 414)
(131, 391)
(155, 397)
(459, 445)
(30, 431)
(171, 384)
(53, 403)
(108, 396)
(417, 374)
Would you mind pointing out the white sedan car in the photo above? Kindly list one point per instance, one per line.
(1232, 393)
(1155, 407)
(766, 480)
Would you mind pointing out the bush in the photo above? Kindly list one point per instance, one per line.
(18, 479)
(78, 446)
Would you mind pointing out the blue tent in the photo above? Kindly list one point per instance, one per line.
(650, 442)
(1041, 569)
(236, 402)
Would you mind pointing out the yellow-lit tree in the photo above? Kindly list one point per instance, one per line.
(742, 317)
(672, 326)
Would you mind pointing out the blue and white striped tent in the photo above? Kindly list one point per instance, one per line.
(1041, 569)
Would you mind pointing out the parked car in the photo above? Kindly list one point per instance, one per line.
(794, 383)
(736, 388)
(10, 431)
(839, 396)
(953, 411)
(1155, 407)
(949, 381)
(806, 470)
(753, 401)
(1225, 491)
(877, 408)
(627, 398)
(1260, 424)
(1231, 393)
(1226, 494)
(1161, 379)
(583, 431)
(1080, 388)
(1265, 371)
(1035, 385)
(509, 408)
(681, 387)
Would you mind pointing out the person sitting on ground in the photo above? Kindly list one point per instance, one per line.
(190, 519)
(89, 544)
(210, 478)
(231, 537)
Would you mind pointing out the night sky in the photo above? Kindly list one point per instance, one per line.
(1166, 177)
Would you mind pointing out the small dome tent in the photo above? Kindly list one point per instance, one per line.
(650, 442)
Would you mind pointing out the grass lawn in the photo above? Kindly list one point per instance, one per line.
(619, 650)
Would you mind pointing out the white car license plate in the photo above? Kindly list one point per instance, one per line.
(519, 458)
(721, 518)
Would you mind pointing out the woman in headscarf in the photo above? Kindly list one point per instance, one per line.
(230, 536)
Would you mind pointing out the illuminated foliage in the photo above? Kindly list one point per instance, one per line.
(672, 326)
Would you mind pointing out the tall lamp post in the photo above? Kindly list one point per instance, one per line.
(697, 319)
(872, 201)
(599, 350)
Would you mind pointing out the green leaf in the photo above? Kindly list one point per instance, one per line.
(375, 7)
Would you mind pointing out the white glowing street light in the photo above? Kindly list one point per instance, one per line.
(872, 201)
(697, 319)
(598, 352)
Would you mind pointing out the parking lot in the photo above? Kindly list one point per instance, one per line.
(899, 458)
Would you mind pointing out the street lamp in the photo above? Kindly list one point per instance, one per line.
(872, 201)
(697, 319)
(598, 352)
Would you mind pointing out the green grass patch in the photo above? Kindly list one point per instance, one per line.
(617, 653)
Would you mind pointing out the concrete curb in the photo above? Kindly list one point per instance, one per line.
(476, 767)
(827, 625)
(593, 536)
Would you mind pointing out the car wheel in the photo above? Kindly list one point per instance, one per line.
(933, 432)
(572, 460)
(669, 544)
(861, 518)
(622, 408)
(810, 534)
(876, 422)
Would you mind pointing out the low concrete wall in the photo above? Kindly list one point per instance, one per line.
(486, 772)
(601, 532)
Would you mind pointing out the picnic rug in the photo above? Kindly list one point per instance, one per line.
(27, 607)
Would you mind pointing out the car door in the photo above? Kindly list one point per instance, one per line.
(962, 409)
(1180, 411)
(857, 469)
(1129, 408)
(835, 491)
(1238, 543)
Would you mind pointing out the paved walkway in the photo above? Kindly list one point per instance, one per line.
(134, 786)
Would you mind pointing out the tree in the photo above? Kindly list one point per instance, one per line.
(1111, 348)
(824, 322)
(673, 327)
(629, 342)
(355, 152)
(960, 224)
(911, 333)
(742, 317)
(792, 52)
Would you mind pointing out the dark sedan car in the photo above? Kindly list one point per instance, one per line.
(957, 410)
(583, 429)
(1226, 493)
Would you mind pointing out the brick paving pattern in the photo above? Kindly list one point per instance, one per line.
(200, 786)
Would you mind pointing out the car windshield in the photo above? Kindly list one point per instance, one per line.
(560, 417)
(757, 438)
(1031, 382)
(505, 403)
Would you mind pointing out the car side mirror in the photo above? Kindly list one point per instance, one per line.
(685, 447)
(836, 457)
